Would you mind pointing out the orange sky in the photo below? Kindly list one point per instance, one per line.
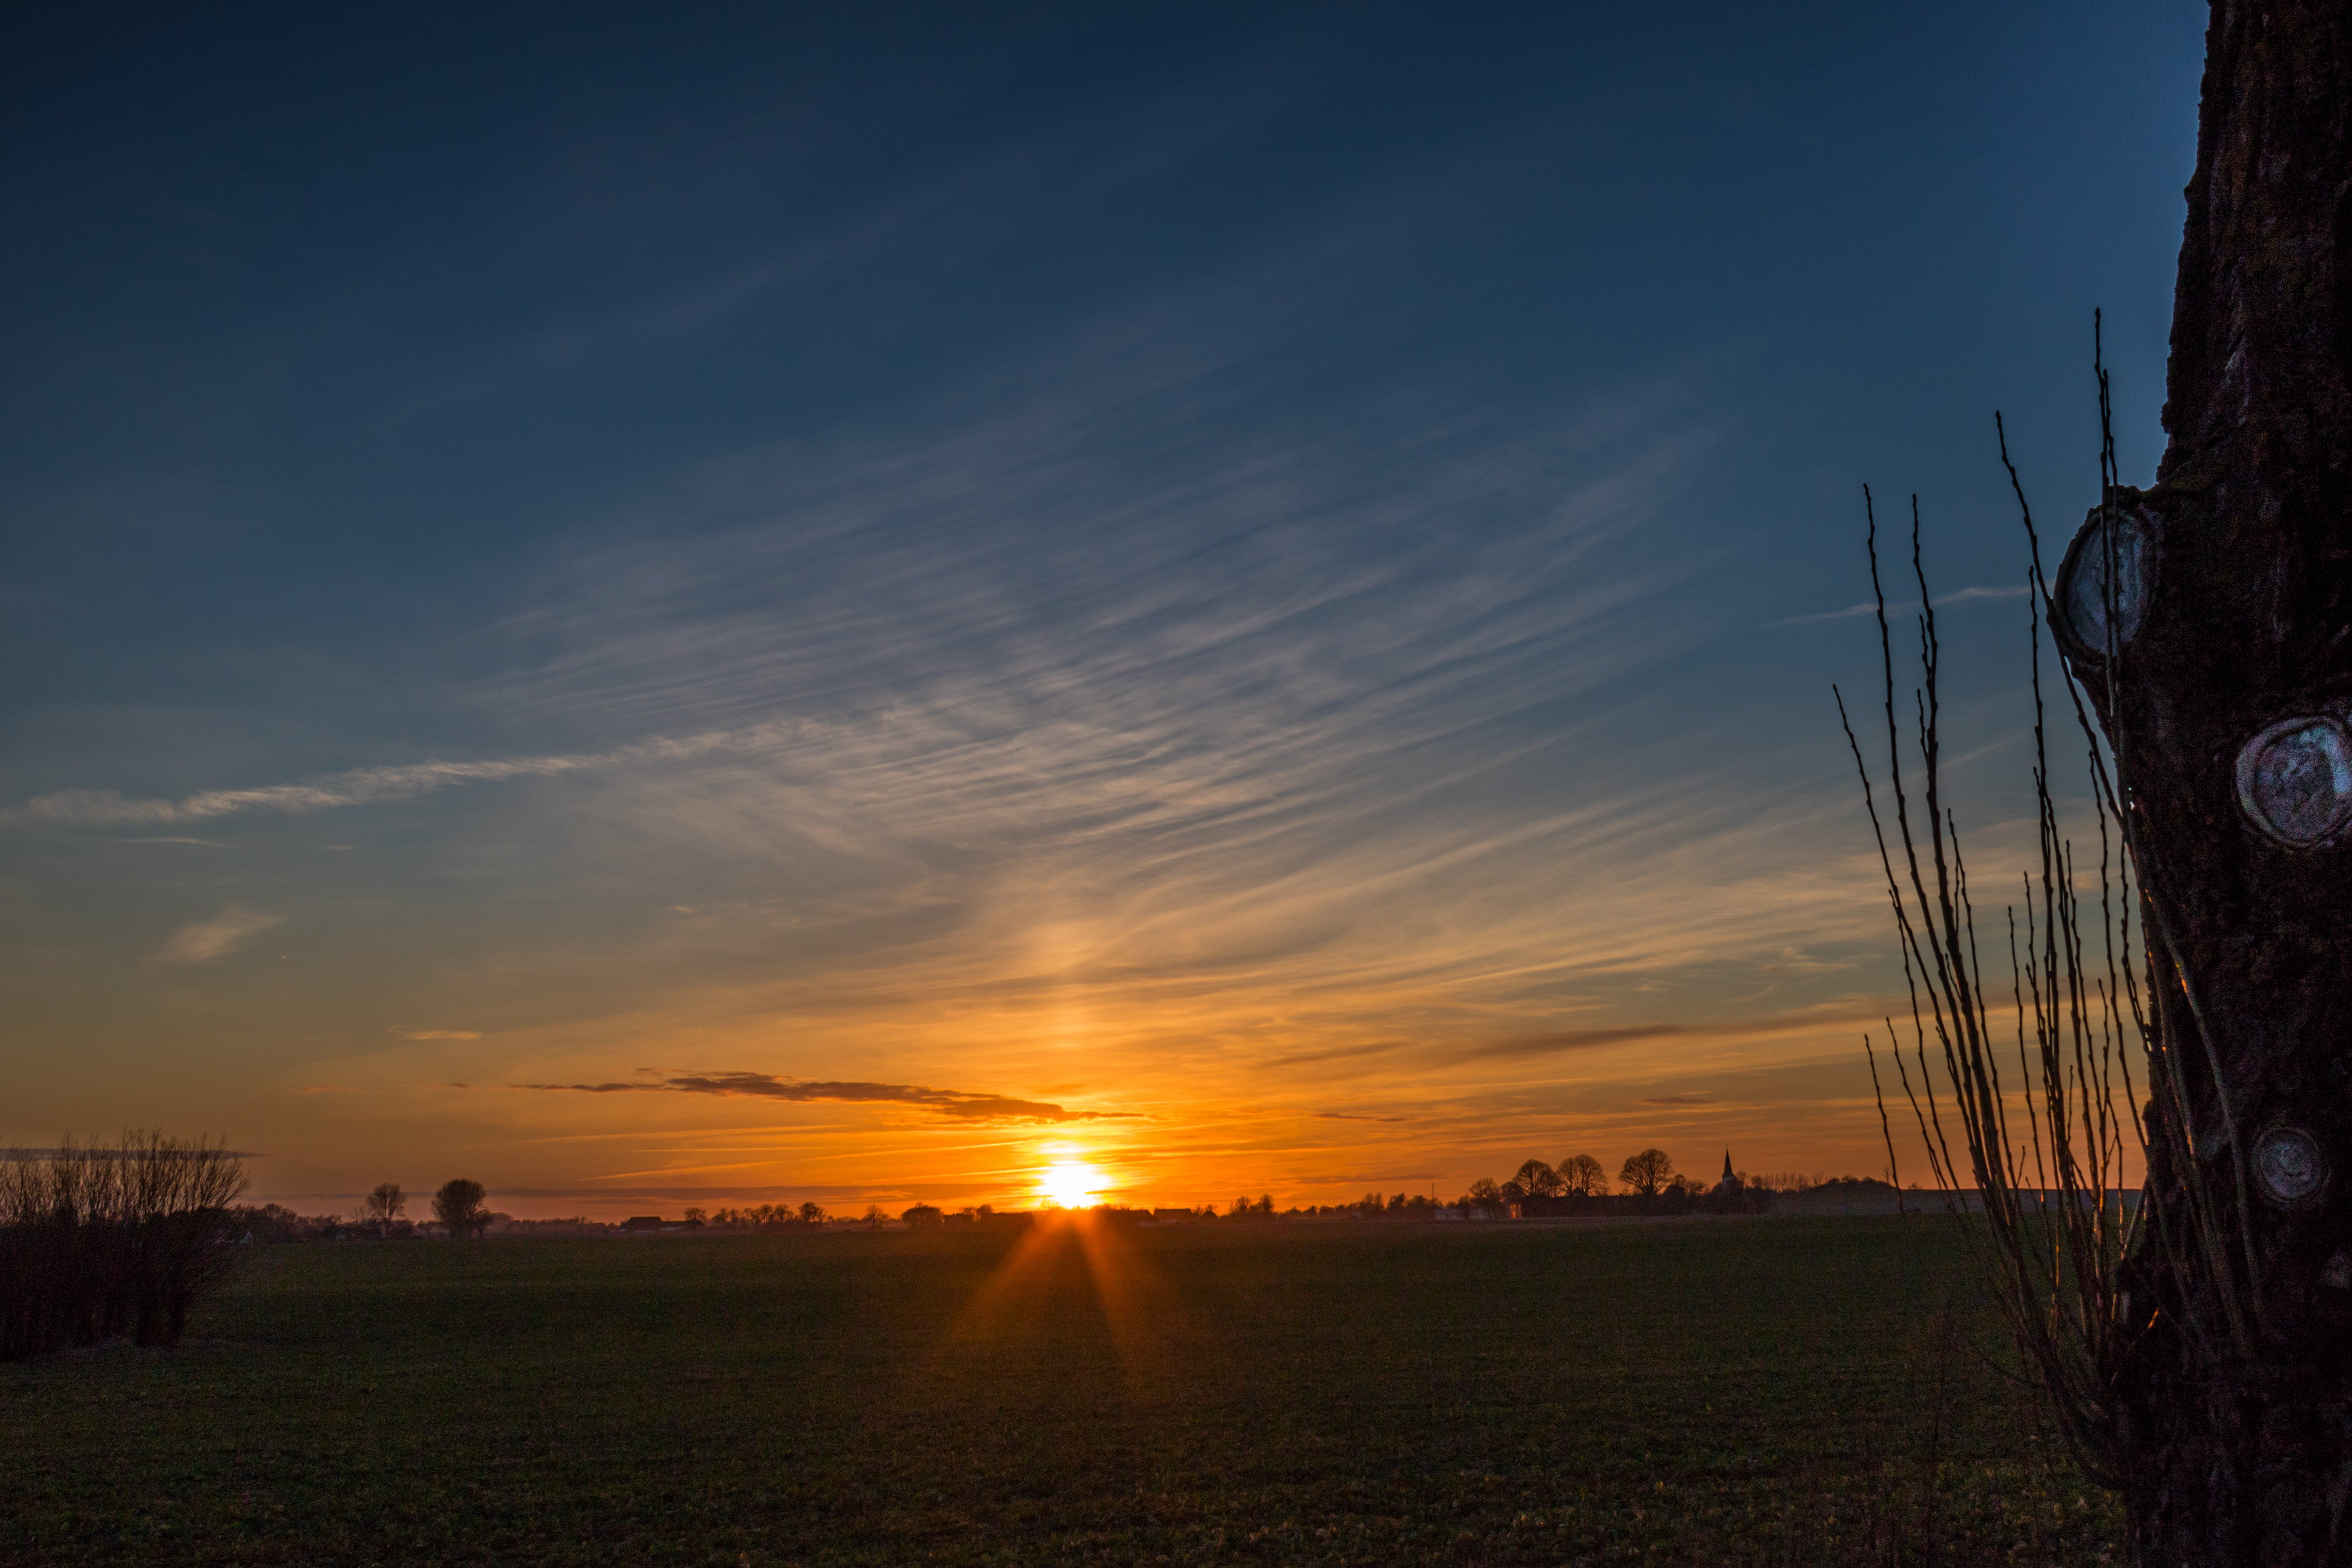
(773, 603)
(1404, 1017)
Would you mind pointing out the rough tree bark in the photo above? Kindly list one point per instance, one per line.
(2210, 619)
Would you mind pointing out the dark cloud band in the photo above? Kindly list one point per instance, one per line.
(949, 1102)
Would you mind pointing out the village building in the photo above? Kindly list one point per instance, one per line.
(1731, 1186)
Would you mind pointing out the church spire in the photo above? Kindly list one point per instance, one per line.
(1727, 1165)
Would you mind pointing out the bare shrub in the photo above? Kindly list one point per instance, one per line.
(2035, 1164)
(99, 1241)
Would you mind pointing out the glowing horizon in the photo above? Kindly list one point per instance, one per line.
(709, 621)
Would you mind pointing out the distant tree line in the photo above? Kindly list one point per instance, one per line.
(763, 1216)
(106, 1241)
(460, 1209)
(1647, 1183)
(1579, 1185)
(1650, 1184)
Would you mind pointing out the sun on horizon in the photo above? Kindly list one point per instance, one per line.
(1070, 1184)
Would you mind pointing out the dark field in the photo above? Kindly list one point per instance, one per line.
(1718, 1391)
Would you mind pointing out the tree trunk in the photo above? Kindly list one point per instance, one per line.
(2211, 621)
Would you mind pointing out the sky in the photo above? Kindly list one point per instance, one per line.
(773, 603)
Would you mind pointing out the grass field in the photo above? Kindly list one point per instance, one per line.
(1716, 1391)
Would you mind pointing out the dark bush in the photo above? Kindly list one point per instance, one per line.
(97, 1243)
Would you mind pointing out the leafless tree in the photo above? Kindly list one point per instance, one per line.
(1647, 1172)
(2193, 1343)
(460, 1205)
(1583, 1175)
(1538, 1180)
(1486, 1197)
(2209, 619)
(384, 1204)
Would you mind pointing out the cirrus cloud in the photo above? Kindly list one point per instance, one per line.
(201, 942)
(365, 786)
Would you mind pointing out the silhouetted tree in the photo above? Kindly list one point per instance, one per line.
(1582, 1174)
(97, 1241)
(1486, 1197)
(384, 1205)
(1647, 1172)
(2208, 619)
(923, 1215)
(459, 1206)
(1538, 1180)
(811, 1213)
(2207, 622)
(875, 1216)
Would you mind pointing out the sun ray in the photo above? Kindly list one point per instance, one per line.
(1134, 1304)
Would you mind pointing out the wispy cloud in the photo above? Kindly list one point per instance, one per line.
(1911, 606)
(358, 786)
(1556, 1042)
(201, 942)
(951, 1103)
(1561, 1042)
(409, 1032)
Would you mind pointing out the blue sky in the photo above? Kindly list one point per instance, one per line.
(1264, 577)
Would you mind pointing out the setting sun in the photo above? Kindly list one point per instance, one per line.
(1070, 1184)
